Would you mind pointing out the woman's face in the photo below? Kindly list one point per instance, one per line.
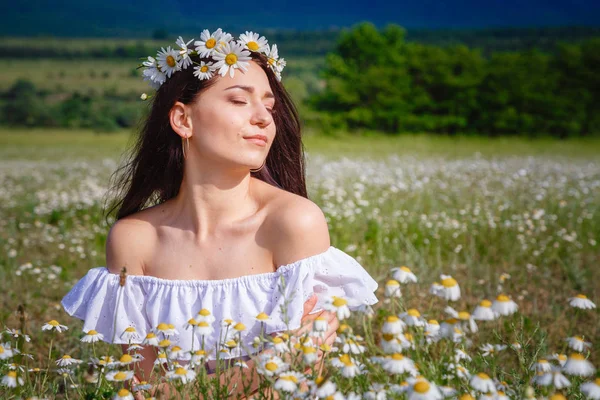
(231, 110)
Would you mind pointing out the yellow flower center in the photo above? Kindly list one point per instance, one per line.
(262, 316)
(503, 298)
(130, 329)
(231, 58)
(151, 335)
(271, 61)
(392, 318)
(126, 358)
(557, 396)
(325, 347)
(597, 381)
(239, 326)
(92, 332)
(392, 282)
(271, 366)
(203, 324)
(413, 313)
(162, 326)
(466, 397)
(449, 282)
(252, 46)
(486, 304)
(231, 343)
(176, 348)
(204, 312)
(66, 357)
(120, 376)
(308, 349)
(433, 322)
(180, 371)
(408, 337)
(421, 387)
(451, 321)
(483, 375)
(345, 359)
(210, 43)
(123, 392)
(388, 336)
(171, 326)
(542, 361)
(405, 268)
(204, 68)
(579, 338)
(192, 321)
(290, 378)
(581, 296)
(464, 315)
(53, 323)
(397, 356)
(1, 349)
(162, 355)
(338, 301)
(170, 61)
(200, 352)
(12, 374)
(164, 343)
(277, 340)
(577, 356)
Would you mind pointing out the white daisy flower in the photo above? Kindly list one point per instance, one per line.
(168, 60)
(272, 56)
(391, 343)
(183, 374)
(135, 347)
(484, 312)
(503, 305)
(309, 354)
(500, 395)
(449, 288)
(581, 301)
(119, 376)
(320, 324)
(460, 371)
(153, 74)
(591, 389)
(489, 349)
(54, 325)
(423, 390)
(392, 288)
(230, 57)
(271, 365)
(204, 328)
(16, 333)
(279, 344)
(366, 309)
(11, 380)
(208, 43)
(205, 315)
(435, 289)
(151, 339)
(577, 365)
(161, 358)
(67, 360)
(288, 381)
(129, 334)
(447, 327)
(468, 322)
(578, 344)
(128, 359)
(483, 383)
(204, 70)
(461, 355)
(403, 274)
(448, 391)
(198, 357)
(166, 329)
(412, 317)
(351, 346)
(92, 336)
(253, 42)
(398, 364)
(184, 52)
(542, 365)
(433, 326)
(5, 351)
(339, 305)
(350, 367)
(123, 394)
(393, 325)
(553, 377)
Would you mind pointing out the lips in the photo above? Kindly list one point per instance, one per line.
(260, 137)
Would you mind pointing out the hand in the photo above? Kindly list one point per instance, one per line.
(306, 323)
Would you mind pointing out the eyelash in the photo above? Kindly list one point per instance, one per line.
(271, 110)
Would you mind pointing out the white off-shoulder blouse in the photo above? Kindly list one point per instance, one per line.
(147, 301)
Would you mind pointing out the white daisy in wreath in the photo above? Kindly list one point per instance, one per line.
(208, 43)
(252, 41)
(168, 60)
(153, 74)
(272, 56)
(184, 52)
(205, 70)
(230, 57)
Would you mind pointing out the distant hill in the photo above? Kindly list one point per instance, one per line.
(139, 19)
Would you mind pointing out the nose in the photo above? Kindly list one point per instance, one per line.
(261, 116)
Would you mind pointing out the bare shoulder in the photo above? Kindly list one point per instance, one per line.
(128, 242)
(297, 228)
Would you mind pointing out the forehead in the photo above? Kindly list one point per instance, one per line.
(253, 76)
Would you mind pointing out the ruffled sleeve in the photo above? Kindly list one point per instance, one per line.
(332, 273)
(102, 304)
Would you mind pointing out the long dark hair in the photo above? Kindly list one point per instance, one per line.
(153, 170)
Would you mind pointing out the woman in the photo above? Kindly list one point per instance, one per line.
(220, 162)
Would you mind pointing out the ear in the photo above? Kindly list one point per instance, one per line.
(181, 120)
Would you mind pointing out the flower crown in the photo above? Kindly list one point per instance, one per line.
(226, 53)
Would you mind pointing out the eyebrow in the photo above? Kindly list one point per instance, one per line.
(250, 89)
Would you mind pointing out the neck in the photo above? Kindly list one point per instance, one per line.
(212, 197)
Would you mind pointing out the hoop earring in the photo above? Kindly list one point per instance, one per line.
(187, 142)
(261, 167)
